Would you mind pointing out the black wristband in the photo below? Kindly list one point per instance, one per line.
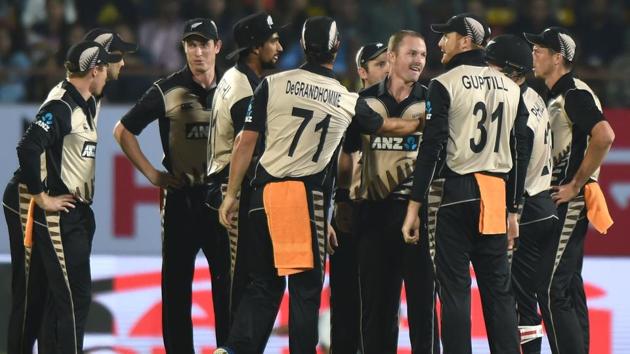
(342, 195)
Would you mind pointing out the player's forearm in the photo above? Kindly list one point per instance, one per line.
(130, 146)
(398, 127)
(344, 170)
(413, 208)
(601, 140)
(241, 158)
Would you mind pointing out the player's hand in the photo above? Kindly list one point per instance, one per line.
(564, 193)
(343, 216)
(63, 202)
(411, 229)
(227, 211)
(332, 240)
(165, 180)
(512, 231)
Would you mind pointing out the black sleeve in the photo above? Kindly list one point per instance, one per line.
(148, 108)
(521, 144)
(238, 112)
(352, 142)
(52, 123)
(582, 110)
(434, 139)
(366, 118)
(256, 116)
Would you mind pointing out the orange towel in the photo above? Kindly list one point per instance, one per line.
(289, 226)
(28, 229)
(492, 216)
(596, 208)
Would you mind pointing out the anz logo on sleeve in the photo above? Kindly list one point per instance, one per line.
(407, 143)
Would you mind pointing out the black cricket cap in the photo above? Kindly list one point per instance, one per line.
(202, 27)
(252, 31)
(556, 38)
(111, 41)
(511, 53)
(466, 25)
(320, 35)
(369, 52)
(86, 55)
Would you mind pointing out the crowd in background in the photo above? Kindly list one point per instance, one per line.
(35, 34)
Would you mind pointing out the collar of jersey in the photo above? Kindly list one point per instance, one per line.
(76, 97)
(562, 85)
(318, 69)
(415, 92)
(253, 79)
(471, 57)
(195, 87)
(523, 87)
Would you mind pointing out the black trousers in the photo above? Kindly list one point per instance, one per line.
(561, 293)
(453, 223)
(28, 279)
(345, 306)
(384, 262)
(62, 243)
(189, 226)
(537, 228)
(260, 304)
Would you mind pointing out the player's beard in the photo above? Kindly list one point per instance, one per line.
(268, 65)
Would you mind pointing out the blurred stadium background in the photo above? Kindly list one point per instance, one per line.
(125, 315)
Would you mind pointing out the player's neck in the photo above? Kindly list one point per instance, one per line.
(552, 79)
(255, 65)
(82, 85)
(204, 79)
(398, 88)
(328, 66)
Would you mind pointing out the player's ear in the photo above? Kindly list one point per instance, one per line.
(217, 46)
(362, 73)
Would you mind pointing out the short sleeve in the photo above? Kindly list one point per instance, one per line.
(256, 116)
(582, 110)
(148, 108)
(367, 120)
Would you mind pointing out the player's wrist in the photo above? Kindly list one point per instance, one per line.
(342, 195)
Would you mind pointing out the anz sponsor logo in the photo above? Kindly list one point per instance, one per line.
(248, 115)
(408, 143)
(89, 150)
(44, 121)
(195, 131)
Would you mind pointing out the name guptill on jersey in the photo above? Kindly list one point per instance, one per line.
(483, 82)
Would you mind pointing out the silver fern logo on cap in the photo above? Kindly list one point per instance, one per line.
(475, 30)
(87, 59)
(567, 46)
(105, 40)
(332, 35)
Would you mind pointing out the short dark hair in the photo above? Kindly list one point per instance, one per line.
(319, 58)
(396, 38)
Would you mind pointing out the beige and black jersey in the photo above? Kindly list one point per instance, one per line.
(303, 115)
(538, 177)
(573, 111)
(480, 120)
(58, 151)
(229, 107)
(387, 163)
(182, 108)
(471, 112)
